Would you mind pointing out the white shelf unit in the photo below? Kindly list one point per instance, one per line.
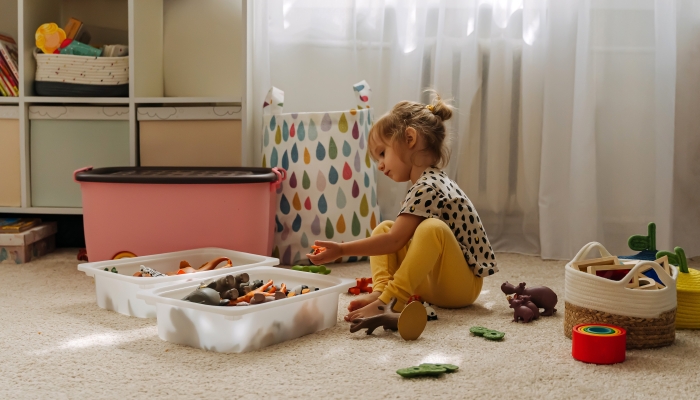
(181, 52)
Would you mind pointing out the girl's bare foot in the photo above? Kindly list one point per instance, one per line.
(367, 311)
(363, 301)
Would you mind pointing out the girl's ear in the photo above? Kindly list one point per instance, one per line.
(411, 137)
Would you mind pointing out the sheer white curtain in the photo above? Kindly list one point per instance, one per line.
(576, 120)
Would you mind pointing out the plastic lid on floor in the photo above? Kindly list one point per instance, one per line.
(177, 175)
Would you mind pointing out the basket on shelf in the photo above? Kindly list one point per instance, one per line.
(648, 315)
(81, 76)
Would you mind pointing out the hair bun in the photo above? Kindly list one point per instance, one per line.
(440, 109)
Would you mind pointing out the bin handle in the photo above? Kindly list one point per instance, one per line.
(281, 175)
(75, 173)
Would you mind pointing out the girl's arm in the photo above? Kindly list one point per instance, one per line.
(391, 242)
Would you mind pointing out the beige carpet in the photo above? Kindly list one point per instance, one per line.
(56, 343)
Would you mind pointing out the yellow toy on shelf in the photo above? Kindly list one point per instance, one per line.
(49, 37)
(688, 290)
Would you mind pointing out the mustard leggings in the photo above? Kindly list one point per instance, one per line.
(431, 265)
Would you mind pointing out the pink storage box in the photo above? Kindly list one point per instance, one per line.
(153, 210)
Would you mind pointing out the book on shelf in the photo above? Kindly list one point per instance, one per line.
(76, 30)
(9, 73)
(17, 225)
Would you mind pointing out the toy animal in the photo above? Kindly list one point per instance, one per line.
(542, 296)
(362, 286)
(521, 312)
(410, 322)
(529, 304)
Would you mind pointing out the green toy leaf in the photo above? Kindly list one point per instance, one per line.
(421, 370)
(448, 367)
(677, 258)
(494, 335)
(641, 243)
(478, 330)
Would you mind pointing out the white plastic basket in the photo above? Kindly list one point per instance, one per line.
(117, 292)
(238, 329)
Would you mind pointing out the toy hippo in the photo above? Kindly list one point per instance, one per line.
(521, 312)
(529, 304)
(542, 296)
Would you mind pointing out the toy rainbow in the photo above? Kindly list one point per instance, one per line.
(599, 343)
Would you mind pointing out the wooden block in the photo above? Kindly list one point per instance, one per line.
(663, 262)
(583, 265)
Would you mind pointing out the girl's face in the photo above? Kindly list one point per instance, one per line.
(390, 161)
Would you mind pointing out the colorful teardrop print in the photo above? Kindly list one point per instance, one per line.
(333, 176)
(292, 131)
(356, 228)
(355, 189)
(307, 156)
(266, 137)
(366, 180)
(367, 163)
(285, 131)
(326, 122)
(364, 207)
(264, 162)
(284, 205)
(295, 115)
(320, 152)
(304, 240)
(362, 142)
(374, 198)
(296, 203)
(279, 226)
(278, 135)
(285, 231)
(343, 125)
(296, 225)
(362, 117)
(329, 229)
(316, 226)
(367, 234)
(340, 199)
(346, 149)
(306, 182)
(353, 111)
(276, 252)
(373, 221)
(347, 172)
(313, 134)
(297, 257)
(295, 153)
(322, 205)
(280, 189)
(287, 257)
(293, 180)
(285, 160)
(273, 123)
(301, 132)
(357, 161)
(307, 203)
(340, 225)
(355, 131)
(320, 181)
(332, 150)
(273, 158)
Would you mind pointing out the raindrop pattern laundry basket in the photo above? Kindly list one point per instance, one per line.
(330, 192)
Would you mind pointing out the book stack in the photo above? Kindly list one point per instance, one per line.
(17, 225)
(9, 72)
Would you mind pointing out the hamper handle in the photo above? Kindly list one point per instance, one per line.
(75, 173)
(583, 253)
(281, 175)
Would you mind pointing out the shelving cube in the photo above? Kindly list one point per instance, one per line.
(10, 175)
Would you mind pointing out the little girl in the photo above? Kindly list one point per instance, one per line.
(437, 247)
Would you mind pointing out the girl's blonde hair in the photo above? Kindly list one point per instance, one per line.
(428, 120)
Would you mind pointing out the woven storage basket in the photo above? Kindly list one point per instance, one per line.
(69, 75)
(647, 315)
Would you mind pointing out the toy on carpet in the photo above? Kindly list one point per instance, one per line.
(432, 315)
(82, 255)
(362, 286)
(611, 268)
(123, 254)
(427, 370)
(487, 333)
(599, 343)
(645, 245)
(542, 296)
(185, 268)
(410, 322)
(316, 250)
(315, 269)
(687, 288)
(239, 290)
(523, 308)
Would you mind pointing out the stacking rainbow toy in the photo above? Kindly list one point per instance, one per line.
(599, 343)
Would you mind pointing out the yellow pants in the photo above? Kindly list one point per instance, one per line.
(431, 265)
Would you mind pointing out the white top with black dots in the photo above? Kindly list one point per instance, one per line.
(435, 195)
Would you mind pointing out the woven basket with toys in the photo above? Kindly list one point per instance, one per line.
(639, 296)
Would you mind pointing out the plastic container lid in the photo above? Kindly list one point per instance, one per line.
(177, 175)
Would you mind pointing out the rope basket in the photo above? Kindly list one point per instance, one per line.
(688, 287)
(649, 316)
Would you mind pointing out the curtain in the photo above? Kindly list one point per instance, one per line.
(576, 120)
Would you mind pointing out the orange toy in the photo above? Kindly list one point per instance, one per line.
(317, 250)
(362, 286)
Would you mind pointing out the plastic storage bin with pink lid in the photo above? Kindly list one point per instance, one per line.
(152, 210)
(117, 291)
(238, 329)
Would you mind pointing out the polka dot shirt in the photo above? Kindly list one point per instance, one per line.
(435, 195)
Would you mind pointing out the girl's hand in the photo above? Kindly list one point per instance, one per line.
(332, 253)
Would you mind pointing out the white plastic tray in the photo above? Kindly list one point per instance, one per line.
(238, 329)
(117, 292)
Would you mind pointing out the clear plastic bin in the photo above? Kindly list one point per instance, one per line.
(238, 329)
(117, 292)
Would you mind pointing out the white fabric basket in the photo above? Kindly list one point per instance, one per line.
(594, 292)
(81, 69)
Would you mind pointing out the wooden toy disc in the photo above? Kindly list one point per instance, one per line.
(412, 321)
